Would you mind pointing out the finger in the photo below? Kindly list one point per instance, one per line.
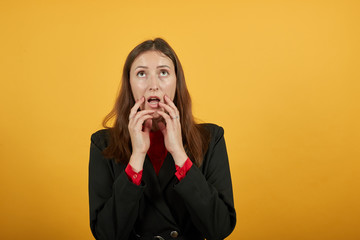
(134, 122)
(172, 104)
(141, 121)
(162, 127)
(139, 115)
(168, 109)
(135, 108)
(171, 112)
(167, 118)
(147, 125)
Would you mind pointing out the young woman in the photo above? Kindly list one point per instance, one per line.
(155, 173)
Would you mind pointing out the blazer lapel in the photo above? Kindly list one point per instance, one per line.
(154, 188)
(167, 172)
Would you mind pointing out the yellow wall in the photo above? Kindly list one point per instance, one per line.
(281, 77)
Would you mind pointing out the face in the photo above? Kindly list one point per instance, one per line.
(152, 75)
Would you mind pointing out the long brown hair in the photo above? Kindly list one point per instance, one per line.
(195, 136)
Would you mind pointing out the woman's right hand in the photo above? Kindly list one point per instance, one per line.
(140, 123)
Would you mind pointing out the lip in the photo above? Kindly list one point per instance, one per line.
(154, 106)
(148, 98)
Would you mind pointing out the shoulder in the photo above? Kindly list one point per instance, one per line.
(216, 132)
(216, 152)
(100, 138)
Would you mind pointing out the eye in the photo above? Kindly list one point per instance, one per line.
(141, 74)
(164, 73)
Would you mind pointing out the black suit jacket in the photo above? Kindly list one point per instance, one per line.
(199, 206)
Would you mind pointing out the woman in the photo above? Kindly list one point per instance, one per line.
(156, 174)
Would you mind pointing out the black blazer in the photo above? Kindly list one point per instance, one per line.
(199, 206)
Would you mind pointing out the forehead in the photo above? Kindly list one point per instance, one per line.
(152, 59)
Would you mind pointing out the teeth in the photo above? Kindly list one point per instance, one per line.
(153, 99)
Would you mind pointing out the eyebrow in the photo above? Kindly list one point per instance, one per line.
(161, 66)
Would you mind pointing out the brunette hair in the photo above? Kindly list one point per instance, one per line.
(195, 136)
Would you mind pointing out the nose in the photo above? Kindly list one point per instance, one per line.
(154, 83)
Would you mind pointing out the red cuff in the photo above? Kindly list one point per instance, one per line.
(181, 171)
(132, 175)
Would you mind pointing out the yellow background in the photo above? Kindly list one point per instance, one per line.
(281, 77)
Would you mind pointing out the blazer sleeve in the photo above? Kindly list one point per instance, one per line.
(114, 203)
(208, 194)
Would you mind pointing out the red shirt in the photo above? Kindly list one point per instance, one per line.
(157, 154)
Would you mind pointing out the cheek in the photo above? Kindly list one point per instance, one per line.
(137, 90)
(170, 89)
(173, 92)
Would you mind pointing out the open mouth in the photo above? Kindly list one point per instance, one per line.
(153, 101)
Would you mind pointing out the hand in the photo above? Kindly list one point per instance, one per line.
(172, 131)
(140, 123)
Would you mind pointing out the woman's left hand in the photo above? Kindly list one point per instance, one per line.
(172, 131)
